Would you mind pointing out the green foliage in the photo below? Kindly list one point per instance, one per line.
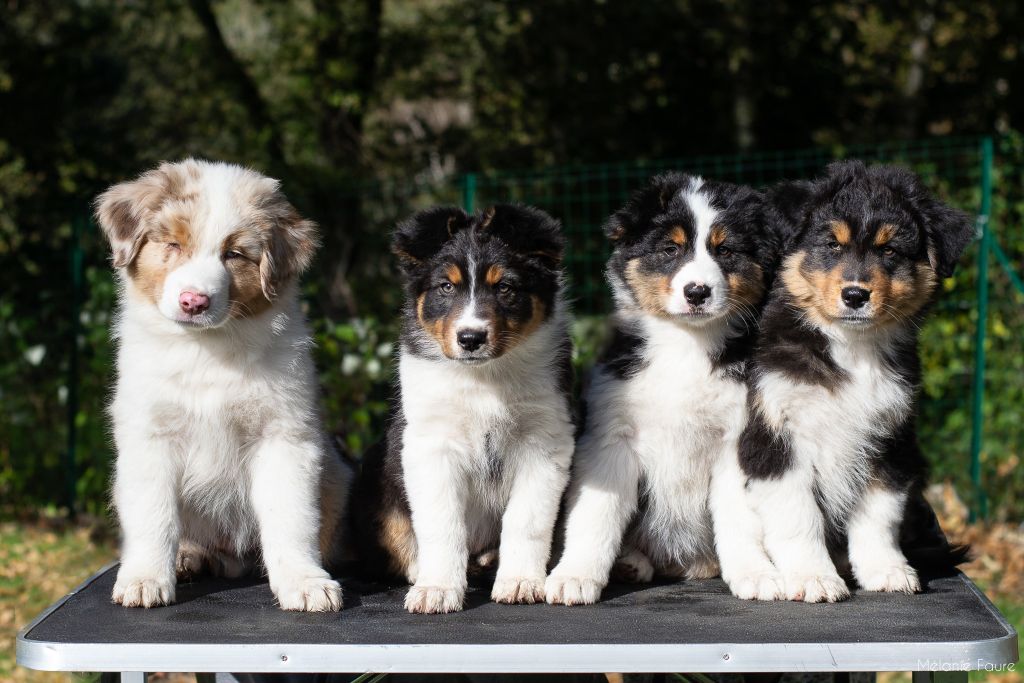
(369, 109)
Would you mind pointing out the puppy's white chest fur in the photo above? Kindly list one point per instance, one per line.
(833, 429)
(679, 409)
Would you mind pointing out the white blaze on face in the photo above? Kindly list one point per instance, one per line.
(204, 272)
(469, 320)
(702, 268)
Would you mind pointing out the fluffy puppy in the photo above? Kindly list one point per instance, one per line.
(691, 262)
(220, 450)
(829, 457)
(480, 441)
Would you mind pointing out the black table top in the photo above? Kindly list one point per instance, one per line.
(242, 612)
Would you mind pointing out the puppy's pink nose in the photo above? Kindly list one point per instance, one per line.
(193, 302)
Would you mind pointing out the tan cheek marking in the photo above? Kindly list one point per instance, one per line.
(516, 332)
(150, 268)
(816, 293)
(246, 297)
(494, 274)
(717, 236)
(884, 234)
(438, 329)
(907, 297)
(746, 290)
(841, 231)
(677, 235)
(650, 291)
(453, 274)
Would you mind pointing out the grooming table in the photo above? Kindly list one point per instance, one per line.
(221, 625)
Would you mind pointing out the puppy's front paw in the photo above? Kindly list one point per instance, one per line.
(758, 586)
(143, 591)
(816, 588)
(894, 579)
(571, 590)
(518, 590)
(633, 567)
(309, 594)
(433, 599)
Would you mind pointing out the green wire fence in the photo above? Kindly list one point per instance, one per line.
(972, 407)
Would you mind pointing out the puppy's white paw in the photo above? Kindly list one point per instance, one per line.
(900, 578)
(633, 567)
(143, 591)
(309, 594)
(571, 590)
(816, 588)
(434, 599)
(516, 590)
(758, 586)
(487, 559)
(190, 562)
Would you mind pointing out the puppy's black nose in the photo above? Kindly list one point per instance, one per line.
(471, 340)
(855, 297)
(696, 294)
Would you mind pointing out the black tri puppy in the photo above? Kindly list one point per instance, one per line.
(480, 441)
(829, 452)
(690, 265)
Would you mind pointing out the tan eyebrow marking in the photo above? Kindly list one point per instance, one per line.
(717, 236)
(677, 235)
(454, 274)
(841, 231)
(493, 275)
(884, 234)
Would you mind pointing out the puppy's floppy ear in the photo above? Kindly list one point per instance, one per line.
(527, 230)
(124, 209)
(948, 231)
(421, 236)
(291, 245)
(630, 222)
(790, 202)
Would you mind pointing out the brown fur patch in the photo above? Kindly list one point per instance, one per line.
(453, 274)
(745, 292)
(841, 231)
(884, 234)
(677, 235)
(651, 291)
(398, 539)
(717, 236)
(246, 296)
(439, 329)
(150, 267)
(516, 332)
(494, 275)
(817, 292)
(896, 298)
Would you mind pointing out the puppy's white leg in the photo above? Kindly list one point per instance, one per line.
(878, 563)
(529, 520)
(794, 535)
(738, 534)
(285, 479)
(146, 497)
(436, 488)
(602, 498)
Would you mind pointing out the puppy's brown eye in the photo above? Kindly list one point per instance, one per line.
(888, 251)
(232, 254)
(447, 287)
(504, 288)
(835, 246)
(670, 250)
(724, 251)
(174, 246)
